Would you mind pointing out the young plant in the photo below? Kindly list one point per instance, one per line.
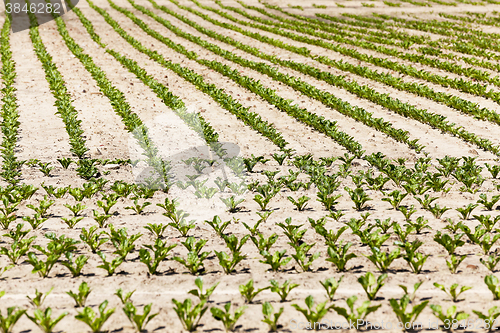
(302, 258)
(450, 243)
(419, 224)
(370, 285)
(490, 262)
(159, 250)
(339, 256)
(124, 298)
(75, 266)
(282, 290)
(331, 285)
(490, 319)
(275, 260)
(227, 262)
(123, 243)
(438, 211)
(454, 292)
(359, 197)
(327, 200)
(493, 285)
(232, 203)
(45, 168)
(39, 298)
(487, 222)
(139, 321)
(17, 249)
(426, 201)
(93, 238)
(100, 218)
(395, 198)
(454, 262)
(270, 317)
(384, 225)
(488, 204)
(229, 320)
(72, 221)
(218, 226)
(188, 314)
(44, 205)
(356, 315)
(383, 259)
(36, 221)
(43, 319)
(249, 292)
(137, 207)
(156, 229)
(415, 260)
(110, 266)
(466, 211)
(89, 317)
(65, 162)
(81, 297)
(13, 315)
(41, 267)
(300, 203)
(76, 209)
(451, 319)
(411, 296)
(203, 296)
(313, 315)
(111, 200)
(406, 317)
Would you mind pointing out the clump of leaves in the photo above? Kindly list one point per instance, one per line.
(81, 297)
(282, 290)
(93, 238)
(313, 315)
(489, 319)
(454, 292)
(493, 285)
(404, 315)
(203, 296)
(356, 315)
(271, 317)
(156, 254)
(89, 317)
(11, 318)
(195, 258)
(229, 320)
(249, 292)
(339, 255)
(139, 320)
(44, 320)
(451, 318)
(371, 285)
(331, 285)
(188, 314)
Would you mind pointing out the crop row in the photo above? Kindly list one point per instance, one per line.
(190, 312)
(364, 91)
(10, 124)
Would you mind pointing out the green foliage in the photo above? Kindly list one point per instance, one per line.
(195, 258)
(451, 318)
(404, 315)
(490, 262)
(466, 211)
(356, 315)
(454, 262)
(110, 266)
(12, 316)
(229, 320)
(490, 318)
(75, 266)
(43, 319)
(493, 285)
(232, 203)
(359, 197)
(81, 297)
(218, 226)
(39, 298)
(89, 317)
(124, 298)
(282, 290)
(488, 204)
(300, 203)
(450, 243)
(203, 296)
(339, 256)
(313, 315)
(188, 314)
(123, 243)
(454, 292)
(331, 285)
(249, 292)
(372, 285)
(139, 321)
(156, 254)
(270, 317)
(383, 259)
(93, 238)
(156, 229)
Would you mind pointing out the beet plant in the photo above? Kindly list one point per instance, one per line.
(218, 226)
(395, 198)
(39, 298)
(139, 321)
(11, 318)
(94, 322)
(137, 207)
(454, 262)
(282, 290)
(44, 320)
(450, 243)
(450, 318)
(93, 238)
(357, 315)
(195, 258)
(262, 243)
(203, 296)
(383, 259)
(276, 260)
(359, 197)
(74, 265)
(123, 243)
(331, 285)
(406, 317)
(157, 229)
(80, 297)
(491, 282)
(188, 314)
(466, 211)
(302, 257)
(232, 203)
(454, 291)
(157, 253)
(248, 291)
(339, 255)
(17, 249)
(109, 266)
(270, 317)
(124, 296)
(489, 319)
(488, 204)
(490, 262)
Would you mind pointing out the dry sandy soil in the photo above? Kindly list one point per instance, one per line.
(42, 136)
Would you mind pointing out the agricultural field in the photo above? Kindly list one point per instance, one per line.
(250, 166)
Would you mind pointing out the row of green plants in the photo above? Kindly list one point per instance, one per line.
(364, 91)
(10, 124)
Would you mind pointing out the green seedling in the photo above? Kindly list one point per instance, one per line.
(89, 317)
(488, 204)
(313, 315)
(138, 208)
(355, 225)
(218, 226)
(359, 197)
(487, 242)
(407, 212)
(454, 262)
(327, 200)
(13, 315)
(60, 192)
(17, 249)
(45, 168)
(271, 317)
(75, 266)
(493, 285)
(81, 297)
(43, 319)
(65, 162)
(450, 243)
(254, 231)
(475, 237)
(238, 188)
(395, 198)
(17, 234)
(383, 259)
(121, 188)
(358, 315)
(275, 260)
(282, 290)
(438, 211)
(251, 162)
(384, 225)
(156, 229)
(76, 209)
(331, 237)
(490, 262)
(123, 243)
(203, 296)
(487, 222)
(302, 258)
(71, 221)
(415, 260)
(264, 244)
(280, 158)
(300, 203)
(426, 201)
(111, 266)
(403, 233)
(454, 292)
(36, 221)
(77, 193)
(466, 211)
(420, 224)
(188, 314)
(339, 256)
(406, 317)
(493, 169)
(372, 285)
(93, 238)
(195, 258)
(100, 218)
(249, 292)
(183, 226)
(156, 254)
(331, 285)
(451, 318)
(232, 203)
(411, 296)
(227, 262)
(292, 231)
(39, 298)
(44, 205)
(139, 321)
(111, 200)
(490, 319)
(229, 320)
(41, 267)
(336, 215)
(124, 298)
(221, 183)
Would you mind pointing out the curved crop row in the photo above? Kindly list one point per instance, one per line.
(320, 123)
(404, 109)
(10, 124)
